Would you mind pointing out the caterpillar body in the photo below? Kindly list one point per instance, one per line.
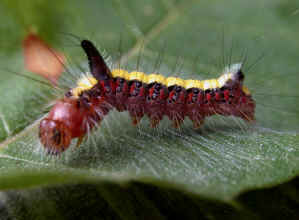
(83, 107)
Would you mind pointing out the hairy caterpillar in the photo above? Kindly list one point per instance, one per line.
(154, 95)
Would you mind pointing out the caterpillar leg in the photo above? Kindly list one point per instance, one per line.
(154, 122)
(177, 122)
(135, 120)
(79, 141)
(197, 124)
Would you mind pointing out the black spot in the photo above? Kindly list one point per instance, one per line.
(178, 89)
(240, 75)
(157, 86)
(195, 91)
(68, 94)
(78, 103)
(121, 80)
(170, 88)
(138, 84)
(130, 83)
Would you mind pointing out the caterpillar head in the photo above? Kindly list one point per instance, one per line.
(54, 135)
(64, 122)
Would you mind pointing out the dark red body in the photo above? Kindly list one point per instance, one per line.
(73, 117)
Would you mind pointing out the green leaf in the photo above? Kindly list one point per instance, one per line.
(227, 169)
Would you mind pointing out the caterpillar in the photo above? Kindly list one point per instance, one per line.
(96, 93)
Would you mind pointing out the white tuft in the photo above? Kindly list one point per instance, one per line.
(233, 68)
(84, 80)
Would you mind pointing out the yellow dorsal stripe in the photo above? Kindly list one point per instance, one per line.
(171, 81)
(140, 76)
(87, 81)
(151, 78)
(120, 73)
(84, 83)
(190, 83)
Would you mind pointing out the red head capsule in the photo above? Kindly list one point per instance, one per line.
(64, 122)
